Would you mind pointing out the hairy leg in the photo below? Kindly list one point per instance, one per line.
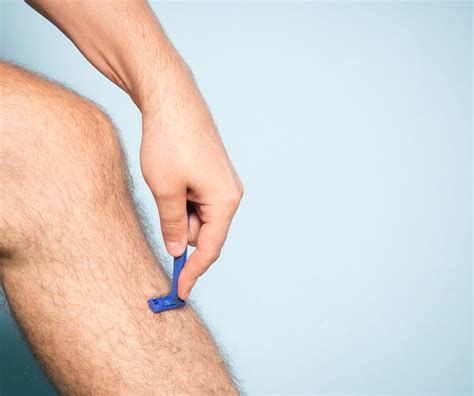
(75, 265)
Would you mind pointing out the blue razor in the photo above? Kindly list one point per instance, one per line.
(171, 301)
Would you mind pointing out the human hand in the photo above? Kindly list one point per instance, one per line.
(182, 156)
(183, 159)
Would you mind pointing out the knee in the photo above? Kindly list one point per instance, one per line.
(53, 137)
(59, 155)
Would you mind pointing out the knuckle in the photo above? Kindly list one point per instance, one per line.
(173, 227)
(234, 196)
(213, 255)
(165, 194)
(233, 200)
(172, 217)
(241, 190)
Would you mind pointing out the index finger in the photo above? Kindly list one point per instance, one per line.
(210, 240)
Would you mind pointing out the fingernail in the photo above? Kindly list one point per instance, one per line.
(175, 248)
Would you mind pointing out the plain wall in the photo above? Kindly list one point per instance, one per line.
(348, 268)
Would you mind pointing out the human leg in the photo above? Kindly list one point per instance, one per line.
(75, 265)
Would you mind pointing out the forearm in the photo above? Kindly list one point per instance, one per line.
(123, 40)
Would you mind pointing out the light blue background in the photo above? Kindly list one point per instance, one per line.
(349, 265)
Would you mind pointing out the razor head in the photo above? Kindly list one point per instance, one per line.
(165, 303)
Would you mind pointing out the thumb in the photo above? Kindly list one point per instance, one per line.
(174, 223)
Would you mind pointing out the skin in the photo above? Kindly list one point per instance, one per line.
(75, 264)
(182, 156)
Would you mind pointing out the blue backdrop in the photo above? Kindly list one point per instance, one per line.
(348, 268)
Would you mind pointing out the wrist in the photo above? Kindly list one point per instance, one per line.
(164, 85)
(151, 76)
